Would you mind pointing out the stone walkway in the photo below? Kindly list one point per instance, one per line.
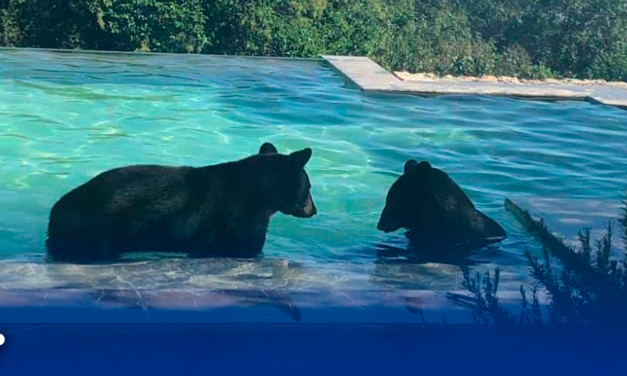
(369, 76)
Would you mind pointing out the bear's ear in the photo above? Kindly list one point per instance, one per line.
(410, 166)
(424, 166)
(300, 158)
(267, 148)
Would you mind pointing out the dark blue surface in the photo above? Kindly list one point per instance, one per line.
(300, 349)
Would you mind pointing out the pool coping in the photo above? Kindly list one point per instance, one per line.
(371, 77)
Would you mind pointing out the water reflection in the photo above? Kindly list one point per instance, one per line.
(459, 256)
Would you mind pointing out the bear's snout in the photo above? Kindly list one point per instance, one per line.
(387, 222)
(307, 210)
(382, 226)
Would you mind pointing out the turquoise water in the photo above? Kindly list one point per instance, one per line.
(65, 117)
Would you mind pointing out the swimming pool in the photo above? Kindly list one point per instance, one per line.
(66, 116)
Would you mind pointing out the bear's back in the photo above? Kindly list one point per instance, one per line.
(114, 189)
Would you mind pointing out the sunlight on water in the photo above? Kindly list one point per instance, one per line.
(65, 117)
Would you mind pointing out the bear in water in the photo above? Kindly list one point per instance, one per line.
(436, 211)
(218, 210)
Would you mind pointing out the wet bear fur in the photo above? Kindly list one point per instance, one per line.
(218, 210)
(435, 211)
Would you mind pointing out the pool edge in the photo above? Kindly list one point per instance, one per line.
(369, 76)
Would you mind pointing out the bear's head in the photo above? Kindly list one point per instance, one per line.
(433, 207)
(406, 198)
(287, 183)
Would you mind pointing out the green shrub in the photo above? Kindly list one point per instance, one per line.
(526, 38)
(304, 28)
(48, 23)
(149, 25)
(447, 44)
(610, 65)
(565, 36)
(10, 32)
(515, 61)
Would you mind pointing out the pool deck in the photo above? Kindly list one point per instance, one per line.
(371, 77)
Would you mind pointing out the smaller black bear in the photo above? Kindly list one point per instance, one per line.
(218, 210)
(436, 211)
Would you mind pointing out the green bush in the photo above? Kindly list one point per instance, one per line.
(526, 38)
(304, 28)
(9, 27)
(611, 65)
(515, 61)
(149, 25)
(46, 23)
(447, 44)
(565, 36)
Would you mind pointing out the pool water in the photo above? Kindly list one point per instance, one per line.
(67, 116)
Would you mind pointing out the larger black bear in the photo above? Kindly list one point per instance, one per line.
(436, 211)
(219, 210)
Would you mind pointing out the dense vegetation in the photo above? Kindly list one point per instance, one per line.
(527, 38)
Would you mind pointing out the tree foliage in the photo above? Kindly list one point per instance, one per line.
(526, 38)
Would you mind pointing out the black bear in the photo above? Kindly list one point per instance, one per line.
(436, 211)
(218, 210)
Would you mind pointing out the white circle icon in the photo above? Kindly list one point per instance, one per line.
(1, 340)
